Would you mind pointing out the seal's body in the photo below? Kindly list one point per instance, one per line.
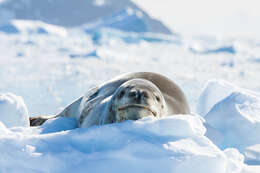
(128, 97)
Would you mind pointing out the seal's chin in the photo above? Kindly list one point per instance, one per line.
(137, 106)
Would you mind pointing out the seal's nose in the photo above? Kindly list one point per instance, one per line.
(138, 94)
(134, 93)
(144, 94)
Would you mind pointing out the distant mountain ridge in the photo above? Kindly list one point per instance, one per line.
(74, 13)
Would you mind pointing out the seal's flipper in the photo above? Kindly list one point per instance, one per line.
(37, 121)
(72, 110)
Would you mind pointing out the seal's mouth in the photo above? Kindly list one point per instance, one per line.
(137, 106)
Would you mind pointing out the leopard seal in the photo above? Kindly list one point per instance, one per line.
(129, 96)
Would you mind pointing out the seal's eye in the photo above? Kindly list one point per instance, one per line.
(157, 98)
(121, 94)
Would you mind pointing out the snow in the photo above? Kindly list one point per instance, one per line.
(240, 112)
(148, 144)
(29, 27)
(233, 117)
(49, 66)
(127, 20)
(13, 111)
(70, 14)
(252, 154)
(214, 91)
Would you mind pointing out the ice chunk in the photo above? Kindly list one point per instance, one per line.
(13, 111)
(236, 160)
(238, 118)
(252, 154)
(214, 135)
(213, 92)
(3, 129)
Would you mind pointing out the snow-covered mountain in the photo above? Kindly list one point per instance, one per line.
(74, 13)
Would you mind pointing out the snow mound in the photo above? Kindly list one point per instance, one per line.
(70, 14)
(13, 111)
(31, 27)
(213, 92)
(237, 117)
(232, 118)
(58, 124)
(171, 144)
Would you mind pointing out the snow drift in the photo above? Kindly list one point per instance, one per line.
(234, 115)
(238, 118)
(215, 91)
(13, 111)
(171, 144)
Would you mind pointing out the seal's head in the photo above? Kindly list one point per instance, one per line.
(135, 99)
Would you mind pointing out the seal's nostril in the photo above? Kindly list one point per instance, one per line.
(133, 93)
(145, 94)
